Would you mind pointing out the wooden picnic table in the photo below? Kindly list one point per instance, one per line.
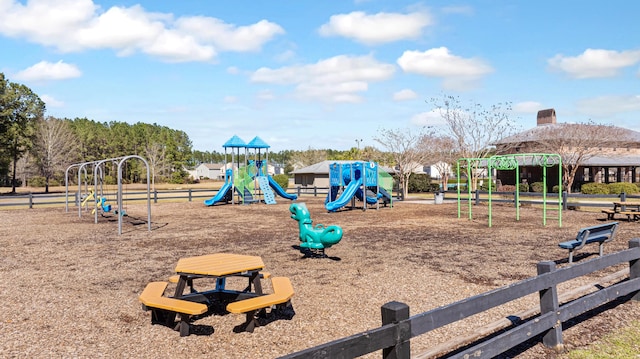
(250, 301)
(629, 209)
(219, 266)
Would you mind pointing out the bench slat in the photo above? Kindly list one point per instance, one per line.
(282, 292)
(152, 297)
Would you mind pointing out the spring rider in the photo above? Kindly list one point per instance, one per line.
(314, 238)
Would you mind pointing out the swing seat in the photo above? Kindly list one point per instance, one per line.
(105, 206)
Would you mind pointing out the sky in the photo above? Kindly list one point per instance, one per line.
(309, 74)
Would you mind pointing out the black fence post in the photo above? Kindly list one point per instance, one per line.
(549, 303)
(315, 191)
(189, 194)
(477, 196)
(30, 200)
(634, 266)
(623, 198)
(299, 190)
(392, 313)
(565, 199)
(155, 196)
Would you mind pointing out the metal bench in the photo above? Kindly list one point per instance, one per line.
(600, 234)
(281, 297)
(163, 309)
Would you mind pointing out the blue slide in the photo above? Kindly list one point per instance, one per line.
(385, 195)
(224, 191)
(280, 191)
(370, 199)
(346, 196)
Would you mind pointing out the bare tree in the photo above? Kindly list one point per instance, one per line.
(155, 153)
(576, 143)
(444, 154)
(408, 148)
(474, 128)
(54, 146)
(25, 168)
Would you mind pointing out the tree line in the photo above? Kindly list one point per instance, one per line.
(38, 147)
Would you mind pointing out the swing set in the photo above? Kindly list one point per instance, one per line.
(510, 162)
(96, 194)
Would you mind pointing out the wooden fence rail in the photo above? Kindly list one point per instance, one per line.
(393, 337)
(569, 199)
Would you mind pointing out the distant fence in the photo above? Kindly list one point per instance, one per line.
(393, 337)
(569, 200)
(32, 200)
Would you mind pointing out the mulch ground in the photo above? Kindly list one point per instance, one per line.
(70, 286)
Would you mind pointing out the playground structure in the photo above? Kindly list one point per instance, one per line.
(314, 239)
(358, 180)
(97, 195)
(249, 182)
(510, 162)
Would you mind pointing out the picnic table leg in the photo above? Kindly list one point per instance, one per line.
(183, 326)
(220, 283)
(182, 282)
(255, 279)
(171, 316)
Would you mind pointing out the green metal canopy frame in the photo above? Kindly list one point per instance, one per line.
(513, 162)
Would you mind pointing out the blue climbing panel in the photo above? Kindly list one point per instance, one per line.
(267, 192)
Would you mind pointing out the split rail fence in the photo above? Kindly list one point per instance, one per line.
(569, 200)
(394, 336)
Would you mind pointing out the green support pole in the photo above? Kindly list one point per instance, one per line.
(458, 185)
(490, 195)
(544, 196)
(517, 199)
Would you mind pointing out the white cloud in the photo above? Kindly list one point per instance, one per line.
(457, 72)
(608, 106)
(527, 107)
(43, 71)
(50, 101)
(77, 25)
(337, 79)
(378, 28)
(228, 37)
(593, 63)
(404, 95)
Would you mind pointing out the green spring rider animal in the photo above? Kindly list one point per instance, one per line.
(314, 239)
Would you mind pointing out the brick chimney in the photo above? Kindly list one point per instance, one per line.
(546, 117)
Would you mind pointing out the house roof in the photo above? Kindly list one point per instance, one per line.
(542, 132)
(633, 160)
(212, 166)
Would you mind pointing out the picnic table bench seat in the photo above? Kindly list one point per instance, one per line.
(163, 309)
(630, 214)
(281, 297)
(595, 234)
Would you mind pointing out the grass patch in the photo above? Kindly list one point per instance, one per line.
(622, 344)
